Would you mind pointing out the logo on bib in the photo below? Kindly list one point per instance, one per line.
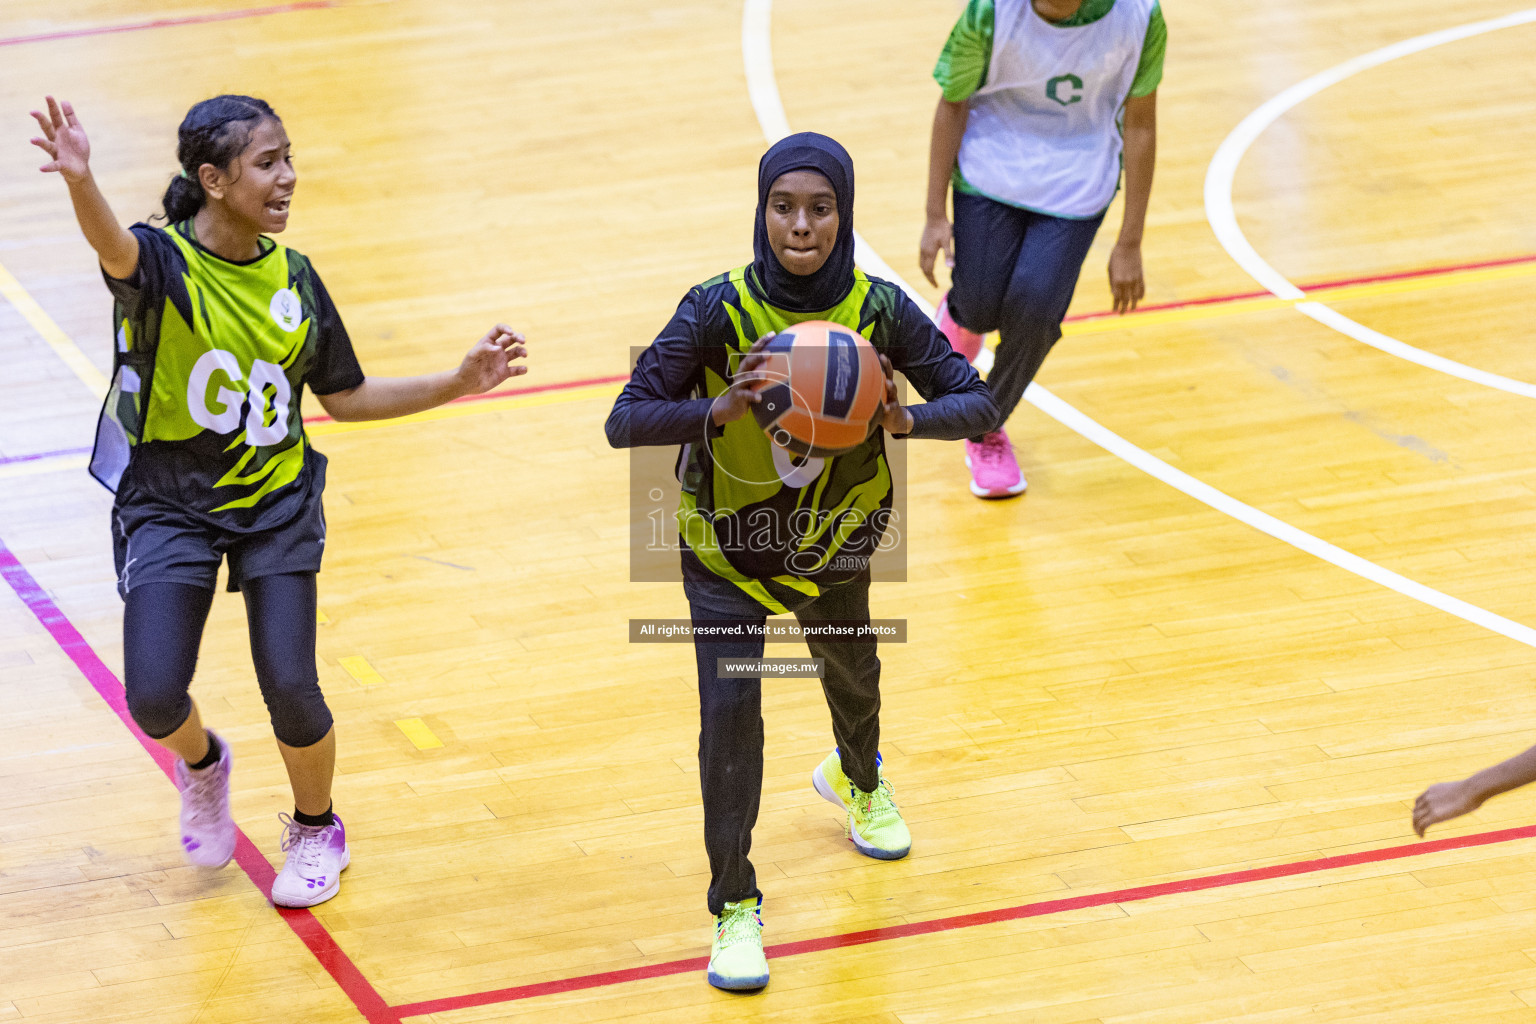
(287, 313)
(1074, 92)
(254, 403)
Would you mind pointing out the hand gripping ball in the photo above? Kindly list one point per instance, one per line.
(822, 389)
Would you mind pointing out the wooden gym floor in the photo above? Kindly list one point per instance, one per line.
(1158, 762)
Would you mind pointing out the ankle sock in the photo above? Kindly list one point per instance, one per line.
(315, 820)
(215, 750)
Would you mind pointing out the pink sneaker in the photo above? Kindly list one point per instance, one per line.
(317, 855)
(967, 343)
(207, 830)
(994, 470)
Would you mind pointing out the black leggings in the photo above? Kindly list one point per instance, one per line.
(163, 626)
(731, 715)
(1015, 271)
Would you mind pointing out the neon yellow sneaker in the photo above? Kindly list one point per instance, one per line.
(736, 959)
(874, 821)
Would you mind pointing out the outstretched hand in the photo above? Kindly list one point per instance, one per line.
(64, 141)
(894, 417)
(489, 362)
(734, 402)
(1442, 802)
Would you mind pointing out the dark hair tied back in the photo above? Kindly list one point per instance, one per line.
(214, 132)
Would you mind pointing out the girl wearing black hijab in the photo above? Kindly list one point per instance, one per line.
(753, 523)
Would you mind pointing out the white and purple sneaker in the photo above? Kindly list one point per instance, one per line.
(317, 855)
(208, 832)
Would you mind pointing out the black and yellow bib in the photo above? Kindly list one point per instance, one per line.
(211, 361)
(776, 526)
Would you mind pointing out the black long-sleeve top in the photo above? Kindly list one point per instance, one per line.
(756, 532)
(666, 400)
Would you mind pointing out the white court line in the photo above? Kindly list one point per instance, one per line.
(763, 87)
(1223, 220)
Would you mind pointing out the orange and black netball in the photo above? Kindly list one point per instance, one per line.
(821, 389)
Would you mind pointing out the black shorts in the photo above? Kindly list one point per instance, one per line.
(155, 542)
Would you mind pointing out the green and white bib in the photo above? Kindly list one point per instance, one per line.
(1044, 130)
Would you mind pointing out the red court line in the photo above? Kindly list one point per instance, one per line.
(1403, 275)
(948, 924)
(1209, 300)
(1160, 307)
(190, 19)
(564, 385)
(373, 1007)
(304, 924)
(1342, 282)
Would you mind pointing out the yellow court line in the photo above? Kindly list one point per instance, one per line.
(1449, 279)
(417, 732)
(62, 344)
(1131, 321)
(1105, 325)
(457, 409)
(77, 361)
(1335, 293)
(358, 668)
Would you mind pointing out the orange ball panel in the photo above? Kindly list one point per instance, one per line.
(801, 425)
(836, 387)
(839, 435)
(824, 386)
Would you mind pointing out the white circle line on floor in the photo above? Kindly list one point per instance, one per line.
(763, 88)
(1219, 211)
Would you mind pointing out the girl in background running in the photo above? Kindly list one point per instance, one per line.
(219, 329)
(1043, 101)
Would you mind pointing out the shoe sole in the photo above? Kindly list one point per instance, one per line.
(329, 892)
(211, 867)
(1009, 492)
(737, 984)
(824, 788)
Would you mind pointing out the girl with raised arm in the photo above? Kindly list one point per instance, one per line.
(219, 329)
